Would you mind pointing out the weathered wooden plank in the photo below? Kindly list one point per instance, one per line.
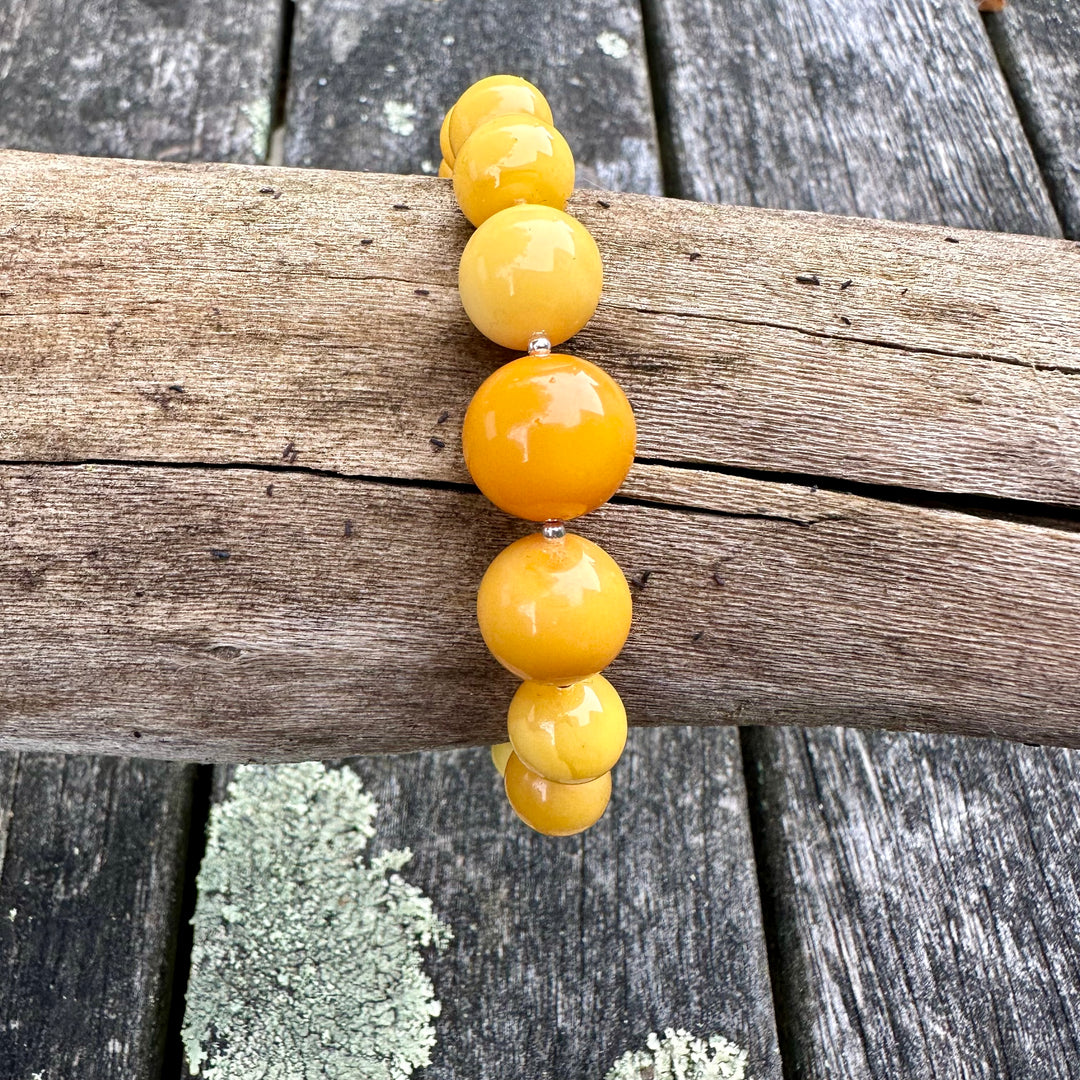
(924, 894)
(1038, 43)
(227, 614)
(92, 850)
(369, 84)
(239, 320)
(91, 874)
(158, 80)
(821, 106)
(565, 953)
(919, 890)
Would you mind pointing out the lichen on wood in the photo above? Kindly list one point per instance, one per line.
(681, 1056)
(306, 954)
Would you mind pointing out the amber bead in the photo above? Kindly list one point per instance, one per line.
(512, 159)
(444, 170)
(444, 140)
(497, 95)
(548, 437)
(568, 733)
(528, 271)
(552, 808)
(554, 610)
(499, 753)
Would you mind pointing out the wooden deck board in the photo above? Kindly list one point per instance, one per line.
(653, 918)
(91, 873)
(917, 888)
(1038, 43)
(92, 849)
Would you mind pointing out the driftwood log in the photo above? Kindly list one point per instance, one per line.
(236, 524)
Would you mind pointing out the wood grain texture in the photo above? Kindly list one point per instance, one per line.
(157, 79)
(219, 314)
(923, 894)
(867, 109)
(918, 890)
(234, 614)
(91, 868)
(369, 84)
(92, 850)
(1038, 43)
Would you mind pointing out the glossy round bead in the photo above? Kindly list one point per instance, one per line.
(569, 734)
(554, 611)
(444, 139)
(512, 159)
(499, 753)
(548, 437)
(444, 170)
(530, 270)
(551, 808)
(494, 96)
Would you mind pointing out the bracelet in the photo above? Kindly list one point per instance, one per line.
(547, 437)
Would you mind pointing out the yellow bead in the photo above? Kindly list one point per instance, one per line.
(499, 753)
(555, 809)
(445, 171)
(444, 139)
(554, 610)
(569, 734)
(512, 159)
(494, 96)
(530, 270)
(548, 437)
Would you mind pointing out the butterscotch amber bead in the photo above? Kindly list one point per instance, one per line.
(551, 808)
(569, 734)
(528, 271)
(444, 140)
(499, 754)
(444, 170)
(554, 610)
(512, 159)
(497, 95)
(548, 437)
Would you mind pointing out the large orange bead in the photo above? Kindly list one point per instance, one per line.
(554, 610)
(569, 734)
(509, 160)
(494, 96)
(530, 270)
(549, 437)
(555, 809)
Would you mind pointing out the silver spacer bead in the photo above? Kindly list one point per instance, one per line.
(539, 345)
(554, 529)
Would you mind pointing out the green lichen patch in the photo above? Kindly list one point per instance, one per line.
(679, 1056)
(306, 959)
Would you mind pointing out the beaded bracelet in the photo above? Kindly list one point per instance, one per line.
(547, 437)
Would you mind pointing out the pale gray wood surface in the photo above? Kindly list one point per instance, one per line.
(919, 891)
(169, 81)
(233, 614)
(240, 320)
(369, 83)
(847, 108)
(91, 874)
(92, 850)
(1038, 43)
(566, 953)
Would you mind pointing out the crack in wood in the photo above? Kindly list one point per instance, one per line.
(855, 339)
